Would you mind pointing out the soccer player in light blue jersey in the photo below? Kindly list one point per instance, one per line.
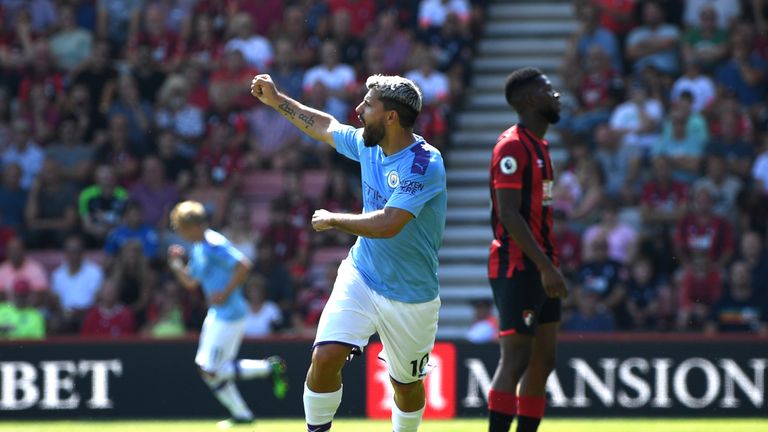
(388, 282)
(220, 270)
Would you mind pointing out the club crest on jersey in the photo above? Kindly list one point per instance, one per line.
(393, 179)
(508, 165)
(528, 317)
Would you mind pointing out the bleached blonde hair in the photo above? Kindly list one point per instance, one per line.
(188, 213)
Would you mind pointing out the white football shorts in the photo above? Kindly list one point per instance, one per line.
(219, 342)
(355, 312)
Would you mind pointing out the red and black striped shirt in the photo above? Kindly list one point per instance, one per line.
(521, 161)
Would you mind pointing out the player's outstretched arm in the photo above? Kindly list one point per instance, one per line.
(315, 123)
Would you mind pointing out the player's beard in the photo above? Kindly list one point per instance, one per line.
(372, 135)
(552, 116)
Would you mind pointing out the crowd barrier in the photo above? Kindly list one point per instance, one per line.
(596, 376)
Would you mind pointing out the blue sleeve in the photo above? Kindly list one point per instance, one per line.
(419, 184)
(348, 141)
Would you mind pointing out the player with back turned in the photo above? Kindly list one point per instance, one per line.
(522, 264)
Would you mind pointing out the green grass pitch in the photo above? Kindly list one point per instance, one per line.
(552, 425)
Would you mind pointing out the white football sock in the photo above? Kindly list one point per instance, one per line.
(319, 408)
(230, 397)
(244, 369)
(406, 421)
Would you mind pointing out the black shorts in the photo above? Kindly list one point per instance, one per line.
(522, 303)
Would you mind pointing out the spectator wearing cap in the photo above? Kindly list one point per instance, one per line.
(19, 266)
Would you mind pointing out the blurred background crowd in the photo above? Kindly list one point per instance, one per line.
(663, 197)
(111, 111)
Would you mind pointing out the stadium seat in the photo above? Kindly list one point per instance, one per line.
(313, 183)
(262, 186)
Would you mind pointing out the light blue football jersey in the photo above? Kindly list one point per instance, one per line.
(403, 267)
(211, 263)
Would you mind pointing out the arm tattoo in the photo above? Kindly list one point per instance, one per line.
(286, 108)
(309, 120)
(290, 112)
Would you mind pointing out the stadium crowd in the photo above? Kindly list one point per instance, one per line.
(112, 111)
(664, 195)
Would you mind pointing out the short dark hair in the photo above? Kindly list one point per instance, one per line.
(517, 80)
(405, 114)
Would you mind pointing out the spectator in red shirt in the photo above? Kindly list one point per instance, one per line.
(699, 287)
(664, 200)
(702, 232)
(289, 242)
(568, 244)
(162, 42)
(222, 156)
(109, 317)
(227, 83)
(204, 48)
(596, 90)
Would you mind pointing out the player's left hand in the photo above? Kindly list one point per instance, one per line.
(322, 220)
(219, 298)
